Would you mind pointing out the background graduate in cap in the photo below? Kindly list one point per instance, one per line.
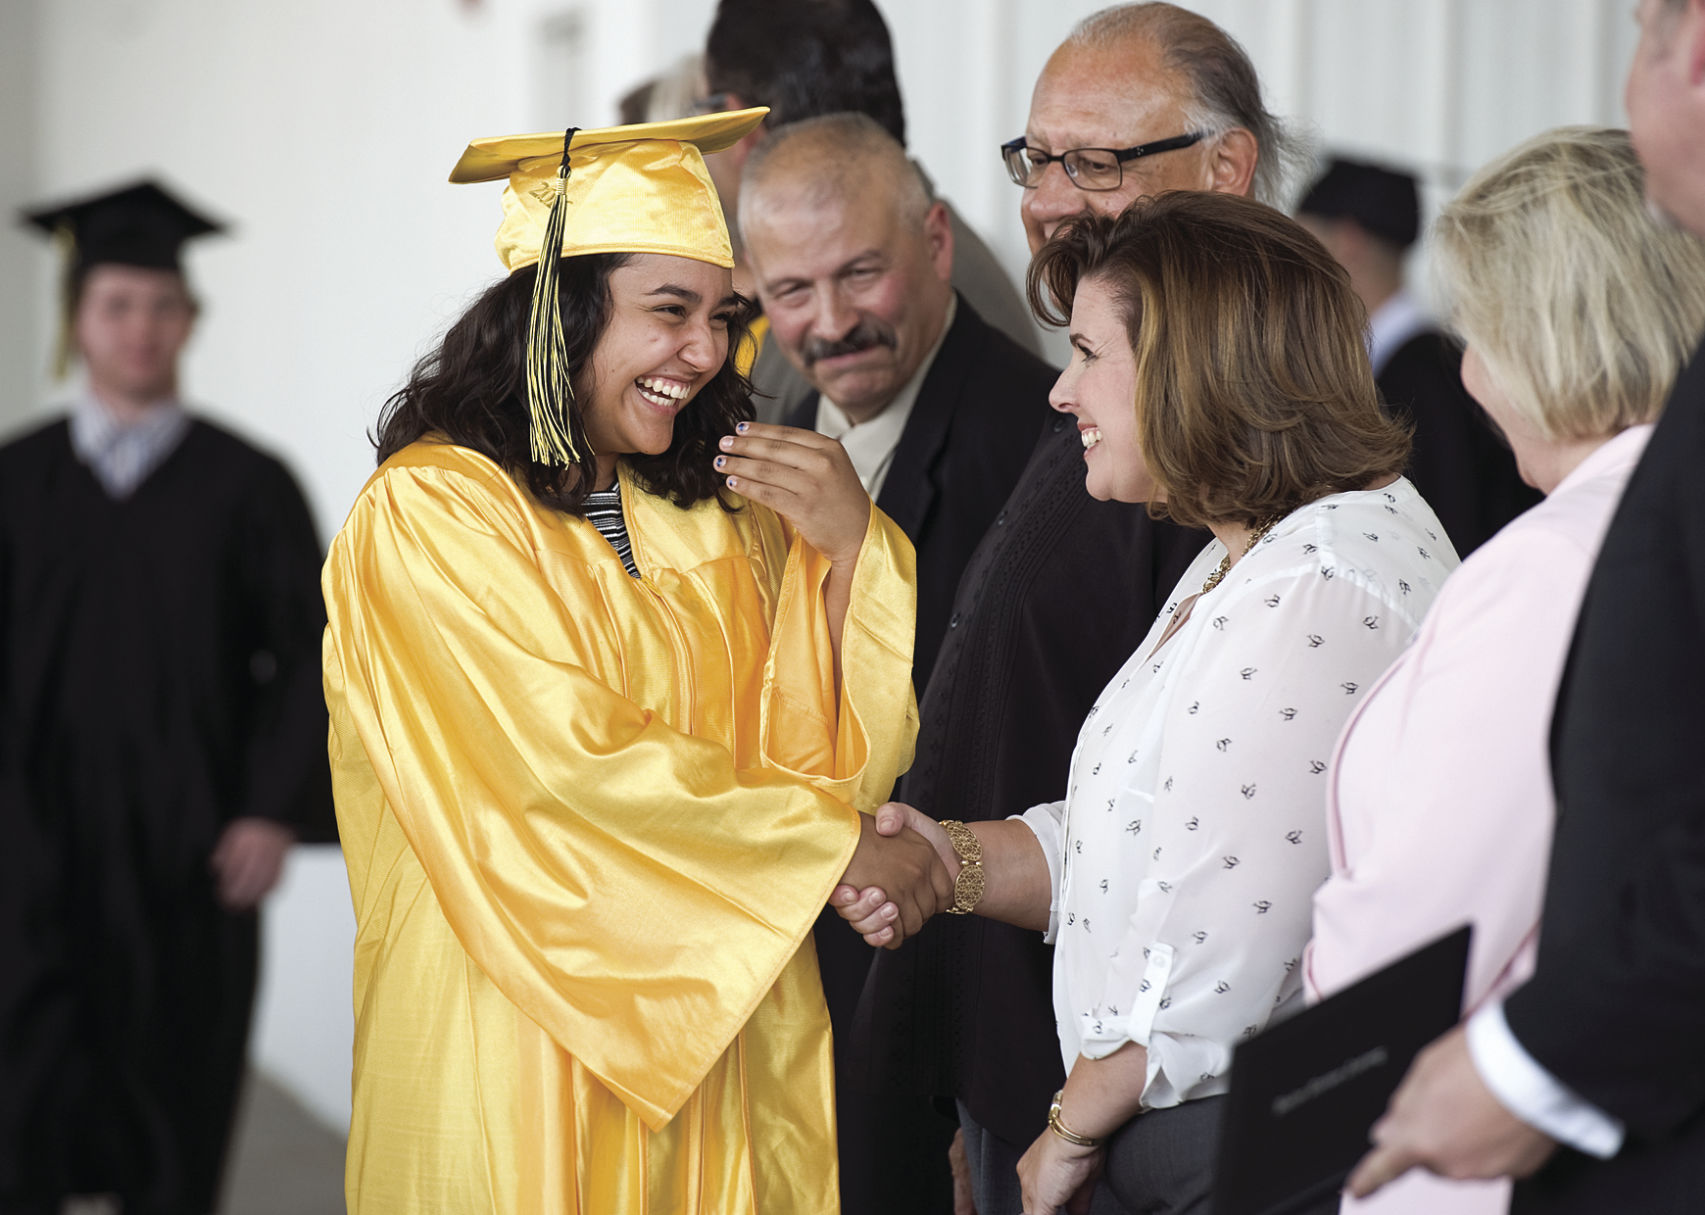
(1368, 216)
(161, 729)
(612, 673)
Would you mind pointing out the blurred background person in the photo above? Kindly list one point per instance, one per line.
(803, 58)
(938, 411)
(1219, 376)
(1588, 1081)
(161, 737)
(1578, 310)
(1368, 216)
(671, 94)
(1139, 99)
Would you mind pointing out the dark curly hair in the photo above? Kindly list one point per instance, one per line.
(472, 390)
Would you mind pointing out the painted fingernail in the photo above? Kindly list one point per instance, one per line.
(721, 461)
(726, 443)
(741, 428)
(734, 483)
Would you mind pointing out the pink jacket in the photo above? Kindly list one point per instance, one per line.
(1440, 806)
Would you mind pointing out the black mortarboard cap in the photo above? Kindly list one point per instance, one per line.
(138, 225)
(1383, 201)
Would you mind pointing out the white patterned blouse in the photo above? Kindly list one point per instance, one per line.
(1193, 835)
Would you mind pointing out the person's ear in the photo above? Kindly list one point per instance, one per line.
(1231, 162)
(938, 232)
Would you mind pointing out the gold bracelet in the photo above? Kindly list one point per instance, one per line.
(1062, 1130)
(969, 885)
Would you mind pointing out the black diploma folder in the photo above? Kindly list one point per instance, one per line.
(1304, 1093)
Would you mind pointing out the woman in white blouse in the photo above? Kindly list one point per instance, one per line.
(1578, 311)
(1218, 374)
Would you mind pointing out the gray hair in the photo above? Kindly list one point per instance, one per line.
(832, 155)
(1226, 92)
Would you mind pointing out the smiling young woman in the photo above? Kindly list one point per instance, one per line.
(620, 312)
(611, 673)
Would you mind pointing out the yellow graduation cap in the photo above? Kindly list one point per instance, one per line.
(641, 188)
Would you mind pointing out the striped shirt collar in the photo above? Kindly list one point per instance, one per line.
(122, 454)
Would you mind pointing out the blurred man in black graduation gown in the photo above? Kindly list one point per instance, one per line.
(162, 740)
(1368, 216)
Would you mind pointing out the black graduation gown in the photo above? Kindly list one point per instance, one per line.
(1460, 462)
(159, 677)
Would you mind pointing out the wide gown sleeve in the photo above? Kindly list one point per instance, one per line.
(624, 883)
(855, 742)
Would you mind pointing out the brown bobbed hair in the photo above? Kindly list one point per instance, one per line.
(1253, 392)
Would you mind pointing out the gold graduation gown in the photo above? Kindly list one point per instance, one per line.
(589, 820)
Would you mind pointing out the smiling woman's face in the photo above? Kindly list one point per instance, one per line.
(1098, 388)
(667, 336)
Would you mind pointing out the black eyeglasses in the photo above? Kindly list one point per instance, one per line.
(1088, 168)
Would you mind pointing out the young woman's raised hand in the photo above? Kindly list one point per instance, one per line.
(806, 478)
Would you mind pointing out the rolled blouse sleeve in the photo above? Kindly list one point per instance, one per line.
(1047, 822)
(1195, 831)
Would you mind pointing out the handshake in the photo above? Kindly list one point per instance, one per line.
(901, 874)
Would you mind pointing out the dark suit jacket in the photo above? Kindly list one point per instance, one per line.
(968, 438)
(1460, 463)
(1616, 1007)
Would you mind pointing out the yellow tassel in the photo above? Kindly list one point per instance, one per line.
(66, 239)
(555, 438)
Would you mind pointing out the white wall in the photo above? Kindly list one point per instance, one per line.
(1439, 86)
(325, 129)
(23, 356)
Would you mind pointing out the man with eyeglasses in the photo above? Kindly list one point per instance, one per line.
(1139, 99)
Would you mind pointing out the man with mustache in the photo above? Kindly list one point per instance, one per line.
(939, 411)
(804, 59)
(853, 261)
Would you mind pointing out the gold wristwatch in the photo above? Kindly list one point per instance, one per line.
(1062, 1130)
(968, 886)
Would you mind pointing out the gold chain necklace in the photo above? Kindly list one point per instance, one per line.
(1261, 529)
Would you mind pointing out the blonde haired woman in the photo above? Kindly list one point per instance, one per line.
(1578, 312)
